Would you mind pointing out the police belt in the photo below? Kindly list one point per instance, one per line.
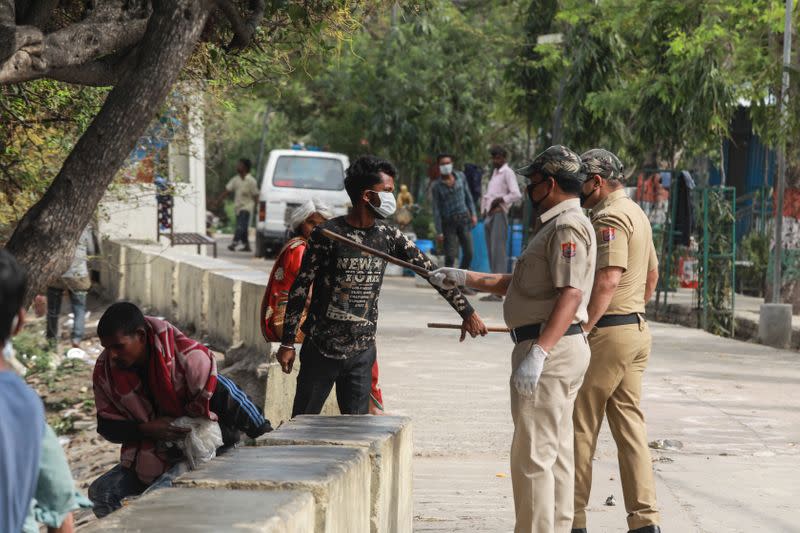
(531, 331)
(617, 320)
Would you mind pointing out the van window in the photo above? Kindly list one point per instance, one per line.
(309, 173)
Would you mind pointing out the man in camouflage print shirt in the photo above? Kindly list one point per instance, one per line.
(339, 346)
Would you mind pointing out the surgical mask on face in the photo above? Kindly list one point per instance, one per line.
(446, 170)
(388, 205)
(585, 197)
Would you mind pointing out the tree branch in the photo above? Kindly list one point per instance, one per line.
(243, 29)
(105, 31)
(39, 13)
(45, 237)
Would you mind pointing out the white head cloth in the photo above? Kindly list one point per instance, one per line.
(302, 212)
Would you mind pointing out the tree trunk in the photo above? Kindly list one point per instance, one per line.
(45, 239)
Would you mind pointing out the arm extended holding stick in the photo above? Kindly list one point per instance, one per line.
(388, 258)
(448, 278)
(416, 261)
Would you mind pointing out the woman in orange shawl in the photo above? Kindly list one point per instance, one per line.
(303, 220)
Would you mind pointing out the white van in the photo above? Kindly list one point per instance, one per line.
(291, 178)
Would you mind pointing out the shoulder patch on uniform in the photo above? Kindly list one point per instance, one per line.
(569, 249)
(608, 233)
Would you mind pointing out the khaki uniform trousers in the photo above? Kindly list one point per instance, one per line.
(613, 386)
(542, 461)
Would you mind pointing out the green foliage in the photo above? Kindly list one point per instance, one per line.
(719, 263)
(660, 80)
(39, 123)
(405, 89)
(529, 75)
(423, 224)
(755, 249)
(34, 352)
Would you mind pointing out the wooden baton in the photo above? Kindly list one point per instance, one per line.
(495, 329)
(377, 253)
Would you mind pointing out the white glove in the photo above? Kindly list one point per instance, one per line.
(526, 377)
(448, 278)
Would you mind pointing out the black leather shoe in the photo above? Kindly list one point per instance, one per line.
(579, 530)
(646, 529)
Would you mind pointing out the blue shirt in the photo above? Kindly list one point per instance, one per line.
(21, 431)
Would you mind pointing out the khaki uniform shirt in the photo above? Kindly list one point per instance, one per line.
(561, 254)
(624, 239)
(245, 192)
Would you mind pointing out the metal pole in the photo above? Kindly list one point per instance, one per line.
(781, 180)
(706, 247)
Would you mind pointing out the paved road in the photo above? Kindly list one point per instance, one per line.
(733, 405)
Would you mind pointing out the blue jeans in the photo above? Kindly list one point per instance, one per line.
(109, 490)
(318, 374)
(457, 233)
(242, 223)
(77, 300)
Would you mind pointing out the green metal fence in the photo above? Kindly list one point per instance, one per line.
(716, 238)
(714, 232)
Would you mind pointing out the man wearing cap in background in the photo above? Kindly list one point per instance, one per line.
(545, 307)
(627, 272)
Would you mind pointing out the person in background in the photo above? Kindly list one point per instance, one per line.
(76, 282)
(501, 193)
(149, 374)
(22, 421)
(245, 194)
(273, 306)
(453, 215)
(474, 174)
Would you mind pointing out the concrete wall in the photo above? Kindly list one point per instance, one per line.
(208, 511)
(348, 474)
(388, 442)
(128, 212)
(338, 478)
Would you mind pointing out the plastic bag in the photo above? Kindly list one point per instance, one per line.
(200, 445)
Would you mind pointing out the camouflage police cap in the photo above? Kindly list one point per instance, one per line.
(558, 161)
(603, 163)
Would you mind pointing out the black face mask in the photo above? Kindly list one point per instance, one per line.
(530, 189)
(585, 197)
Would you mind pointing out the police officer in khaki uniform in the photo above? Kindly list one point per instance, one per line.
(627, 271)
(545, 306)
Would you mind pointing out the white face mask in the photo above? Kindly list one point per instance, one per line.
(388, 205)
(446, 170)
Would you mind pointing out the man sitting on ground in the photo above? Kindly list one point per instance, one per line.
(148, 375)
